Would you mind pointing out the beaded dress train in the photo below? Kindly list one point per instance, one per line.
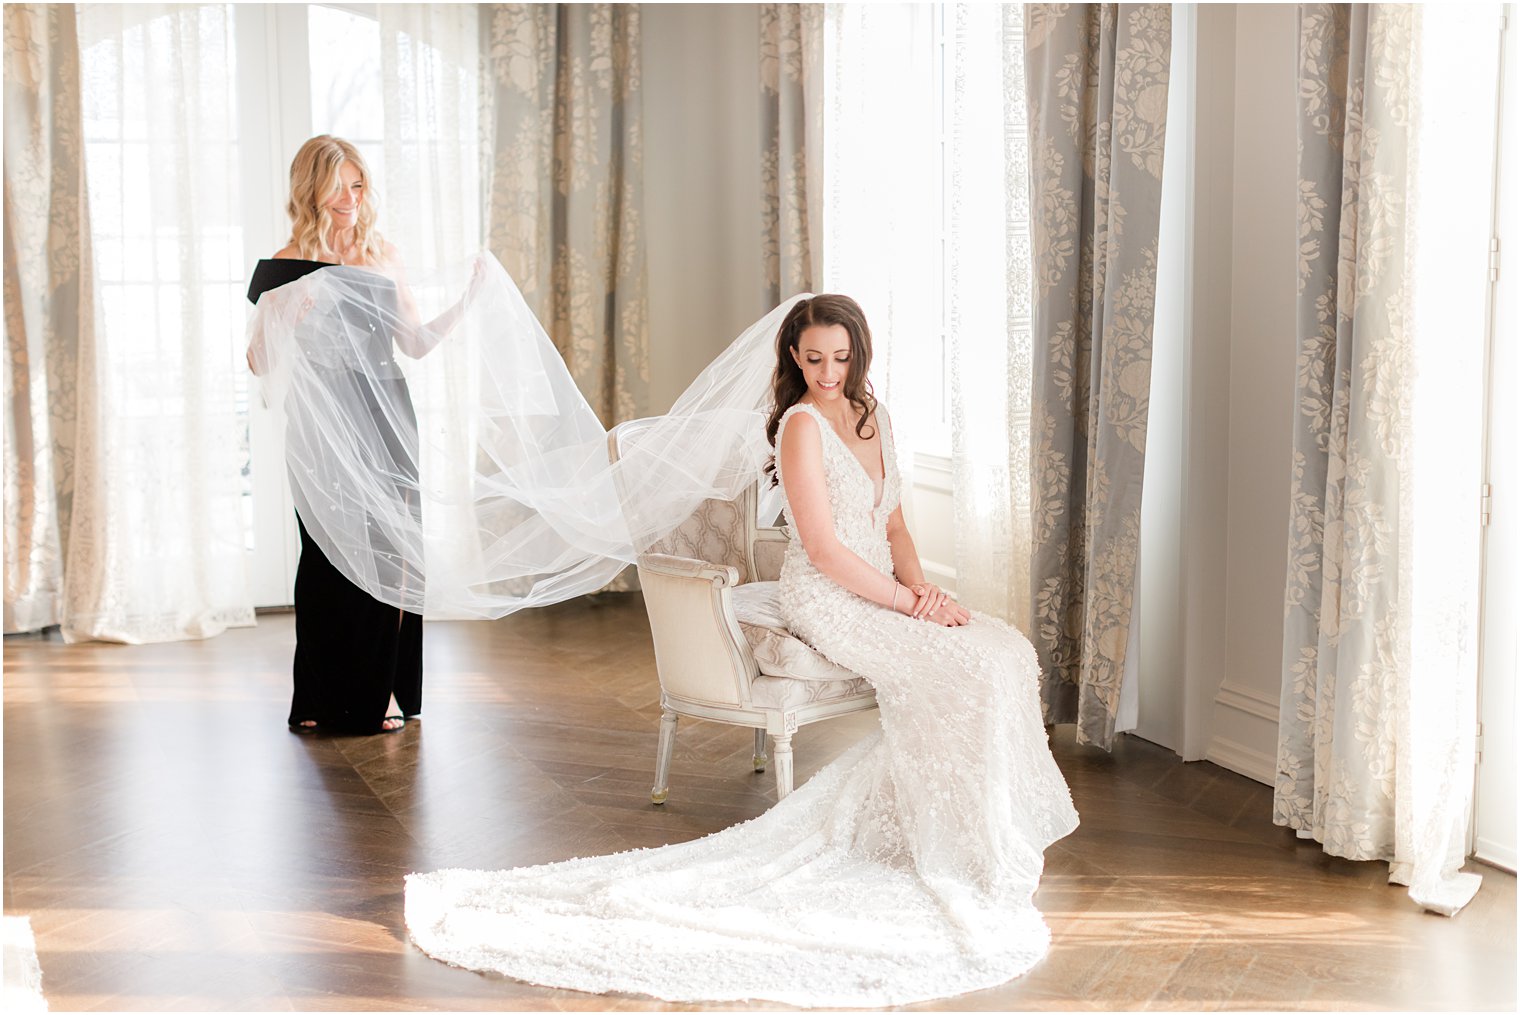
(903, 871)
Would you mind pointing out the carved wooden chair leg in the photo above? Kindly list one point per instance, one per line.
(760, 758)
(783, 743)
(662, 760)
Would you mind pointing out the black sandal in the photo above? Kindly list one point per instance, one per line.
(396, 729)
(301, 727)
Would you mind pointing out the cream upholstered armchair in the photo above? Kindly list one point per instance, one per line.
(722, 651)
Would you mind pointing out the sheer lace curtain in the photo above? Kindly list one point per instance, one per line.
(988, 295)
(154, 541)
(430, 67)
(430, 60)
(1376, 738)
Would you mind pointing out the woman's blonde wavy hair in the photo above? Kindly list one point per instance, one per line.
(314, 179)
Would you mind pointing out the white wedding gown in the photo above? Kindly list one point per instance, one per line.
(903, 871)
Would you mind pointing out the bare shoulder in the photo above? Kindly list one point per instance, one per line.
(392, 255)
(288, 253)
(798, 421)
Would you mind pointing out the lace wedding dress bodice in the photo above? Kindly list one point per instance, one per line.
(903, 871)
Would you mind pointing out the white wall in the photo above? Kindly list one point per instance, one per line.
(1261, 368)
(1184, 574)
(1159, 614)
(1214, 542)
(701, 185)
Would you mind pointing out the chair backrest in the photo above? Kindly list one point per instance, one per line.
(700, 652)
(718, 531)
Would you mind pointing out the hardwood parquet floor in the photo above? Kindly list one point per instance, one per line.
(176, 848)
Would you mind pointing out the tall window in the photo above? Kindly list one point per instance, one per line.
(161, 143)
(306, 69)
(884, 207)
(344, 62)
(924, 213)
(187, 191)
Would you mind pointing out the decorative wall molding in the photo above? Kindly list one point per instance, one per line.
(1249, 701)
(933, 472)
(1243, 760)
(933, 477)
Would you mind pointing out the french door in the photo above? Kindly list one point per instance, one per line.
(303, 69)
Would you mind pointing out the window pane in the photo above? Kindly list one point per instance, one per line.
(345, 75)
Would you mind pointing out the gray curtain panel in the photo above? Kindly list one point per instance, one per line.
(1376, 736)
(1336, 770)
(1097, 92)
(565, 142)
(49, 311)
(791, 166)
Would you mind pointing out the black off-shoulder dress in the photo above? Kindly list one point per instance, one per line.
(352, 651)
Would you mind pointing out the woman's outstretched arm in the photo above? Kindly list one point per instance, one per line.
(413, 337)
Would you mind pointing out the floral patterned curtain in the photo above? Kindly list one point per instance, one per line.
(565, 199)
(791, 167)
(1375, 741)
(1097, 91)
(49, 314)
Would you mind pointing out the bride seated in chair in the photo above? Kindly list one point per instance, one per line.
(902, 871)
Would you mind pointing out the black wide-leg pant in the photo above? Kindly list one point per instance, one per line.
(352, 651)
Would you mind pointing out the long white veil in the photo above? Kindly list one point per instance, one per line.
(441, 455)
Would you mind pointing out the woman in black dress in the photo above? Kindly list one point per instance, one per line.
(358, 661)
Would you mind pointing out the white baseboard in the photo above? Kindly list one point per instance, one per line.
(1242, 760)
(1498, 854)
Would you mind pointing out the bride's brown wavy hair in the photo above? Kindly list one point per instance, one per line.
(788, 385)
(314, 179)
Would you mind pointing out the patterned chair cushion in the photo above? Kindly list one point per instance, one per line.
(779, 653)
(784, 692)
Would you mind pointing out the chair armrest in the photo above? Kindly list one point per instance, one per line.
(722, 575)
(700, 651)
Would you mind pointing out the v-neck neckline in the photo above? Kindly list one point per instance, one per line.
(881, 452)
